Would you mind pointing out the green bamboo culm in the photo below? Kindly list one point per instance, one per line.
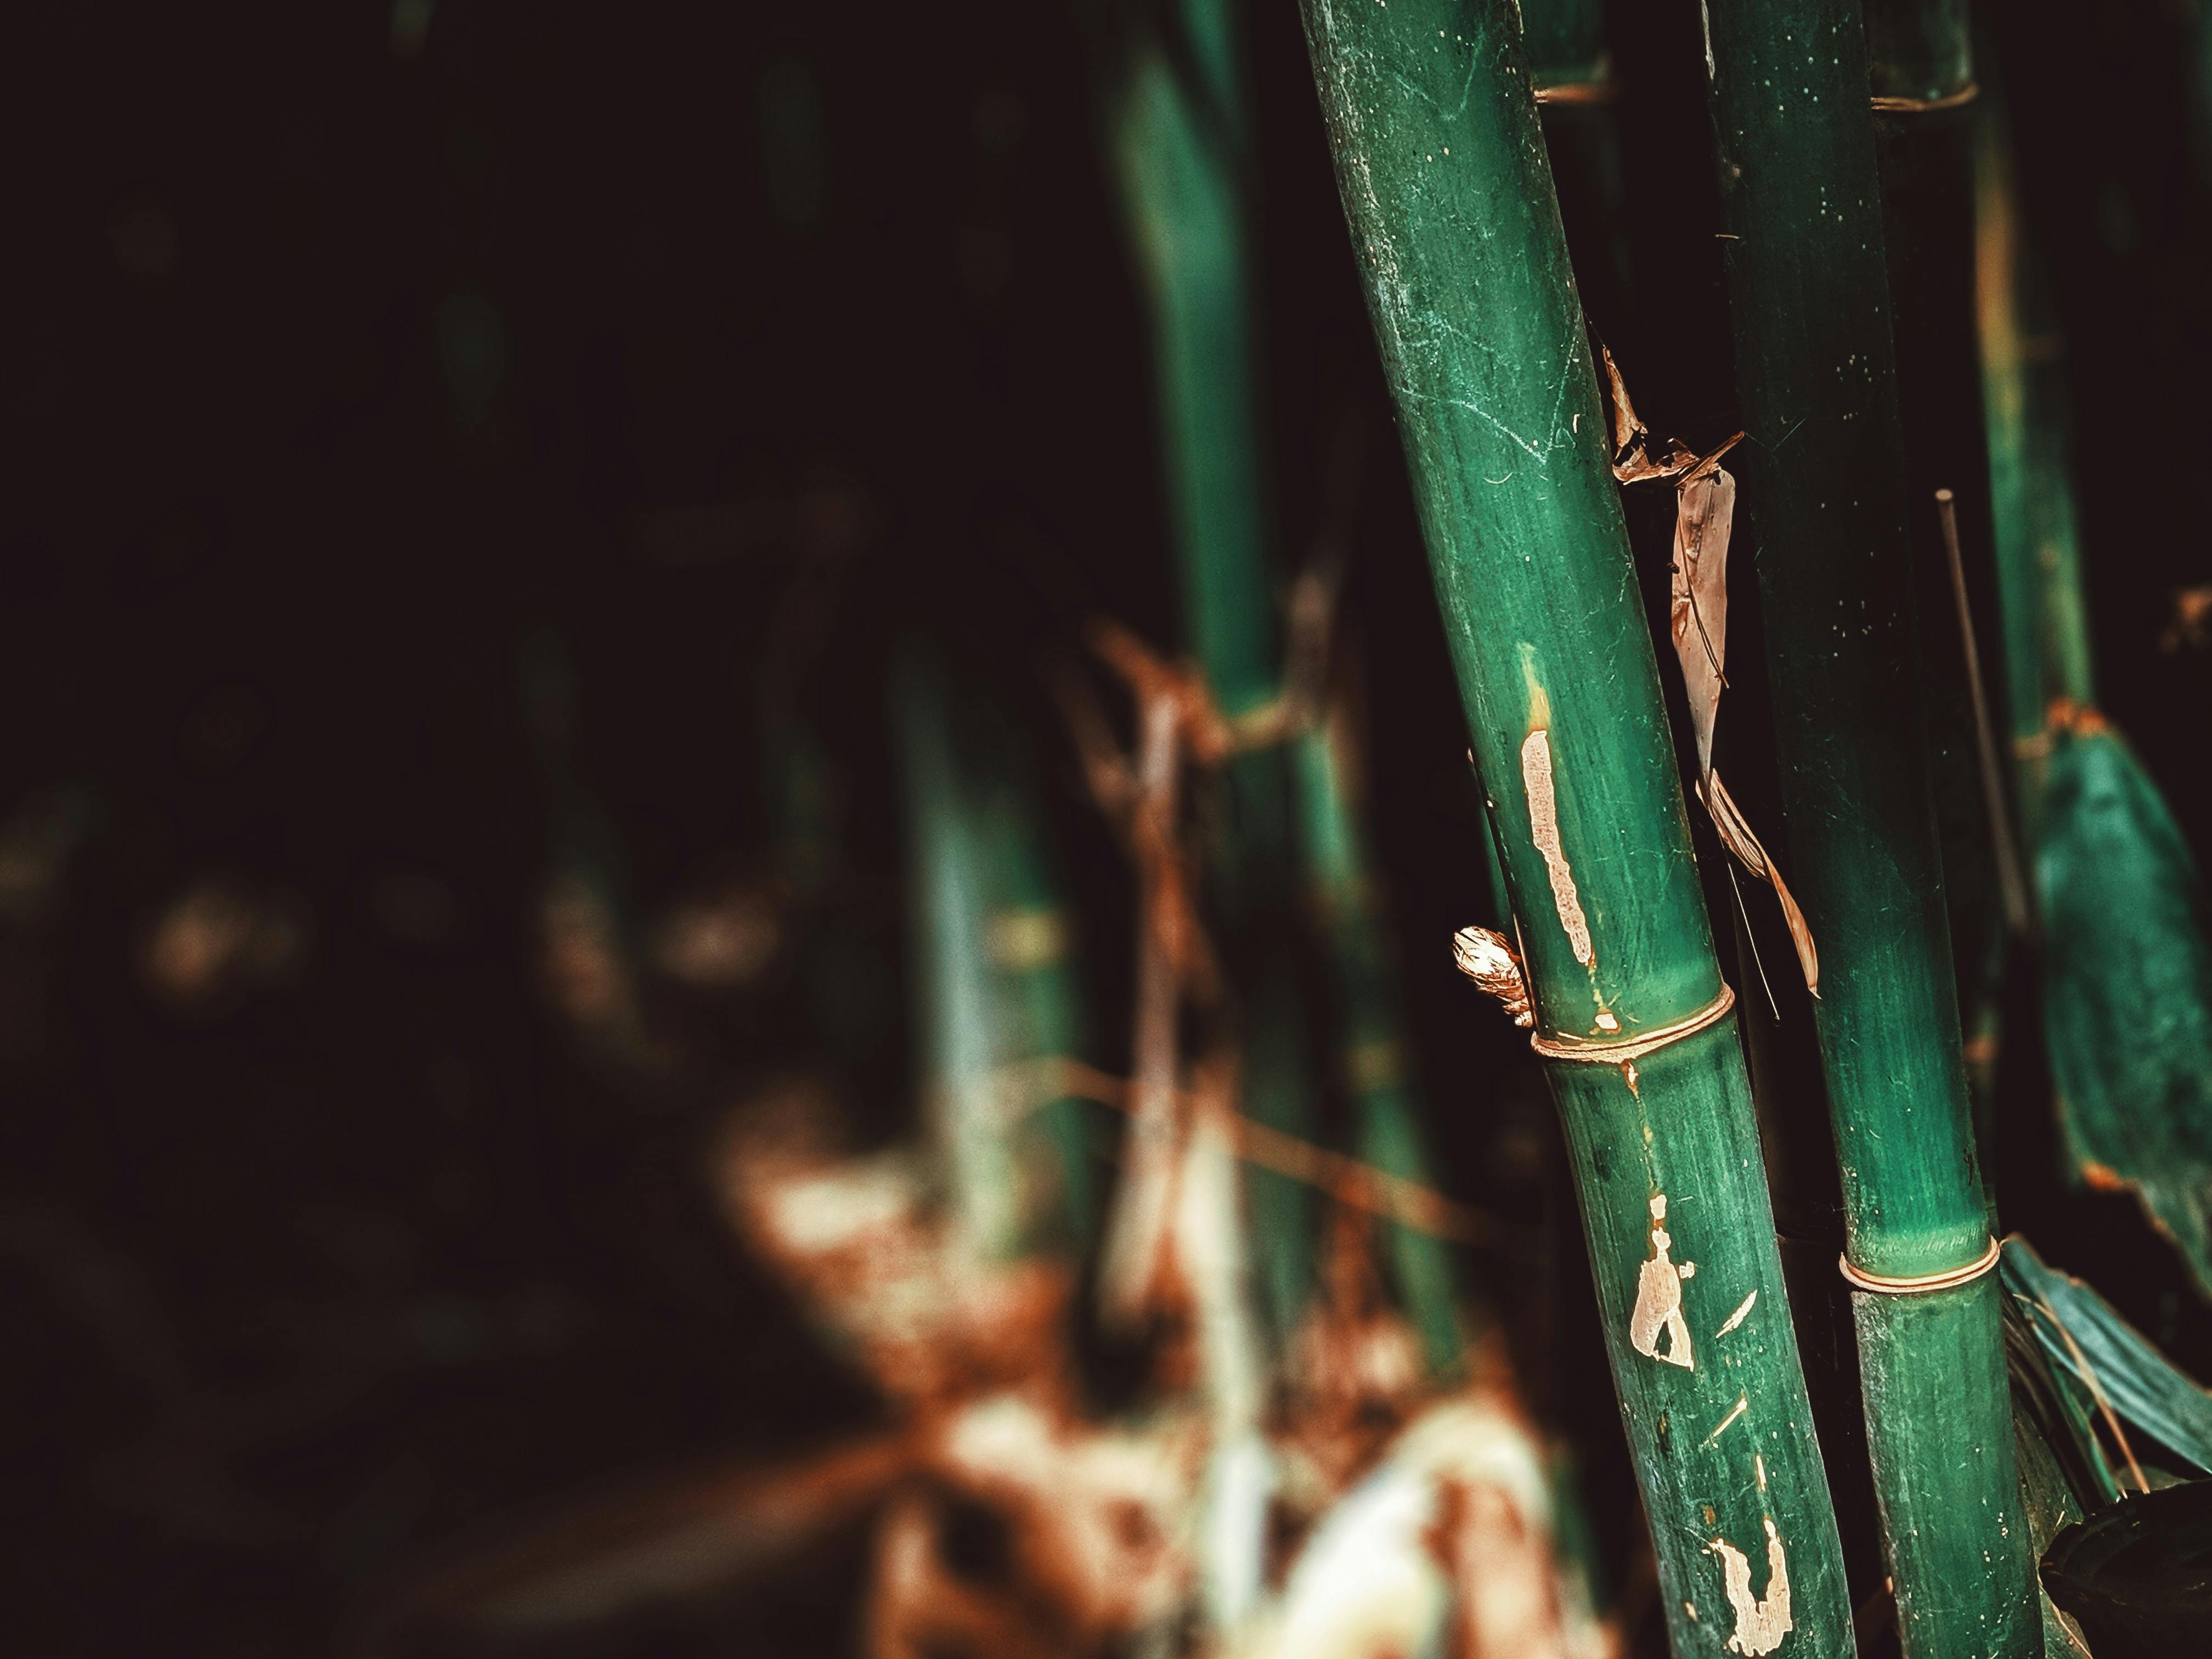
(1179, 141)
(2127, 973)
(1921, 71)
(996, 996)
(1824, 484)
(1442, 167)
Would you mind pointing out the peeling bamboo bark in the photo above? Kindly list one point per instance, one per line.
(1825, 484)
(1441, 163)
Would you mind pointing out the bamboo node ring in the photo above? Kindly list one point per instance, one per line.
(1620, 1053)
(1882, 1283)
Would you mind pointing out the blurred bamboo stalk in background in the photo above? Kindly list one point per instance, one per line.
(2127, 973)
(1927, 106)
(1181, 139)
(1826, 482)
(1177, 134)
(996, 985)
(1442, 167)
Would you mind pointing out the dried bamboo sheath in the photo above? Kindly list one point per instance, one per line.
(1825, 484)
(1442, 167)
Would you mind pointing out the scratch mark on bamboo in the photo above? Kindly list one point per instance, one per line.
(1543, 829)
(1659, 1298)
(1760, 1625)
(1742, 1312)
(1742, 1405)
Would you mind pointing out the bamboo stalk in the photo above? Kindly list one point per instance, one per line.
(995, 985)
(1179, 137)
(1178, 141)
(2045, 621)
(1824, 482)
(1921, 71)
(1371, 1044)
(1441, 162)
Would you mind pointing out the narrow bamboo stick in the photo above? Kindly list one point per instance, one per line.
(1824, 484)
(1442, 167)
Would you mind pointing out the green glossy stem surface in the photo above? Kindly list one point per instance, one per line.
(1442, 168)
(1825, 482)
(1954, 1525)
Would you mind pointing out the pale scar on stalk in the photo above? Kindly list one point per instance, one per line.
(1760, 1625)
(1659, 1298)
(1544, 831)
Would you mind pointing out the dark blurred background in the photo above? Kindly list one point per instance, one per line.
(454, 444)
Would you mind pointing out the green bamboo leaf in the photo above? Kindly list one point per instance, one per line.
(2107, 1355)
(2134, 1576)
(1292, 824)
(2127, 973)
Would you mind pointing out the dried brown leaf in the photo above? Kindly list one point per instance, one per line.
(1705, 514)
(1736, 836)
(1627, 430)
